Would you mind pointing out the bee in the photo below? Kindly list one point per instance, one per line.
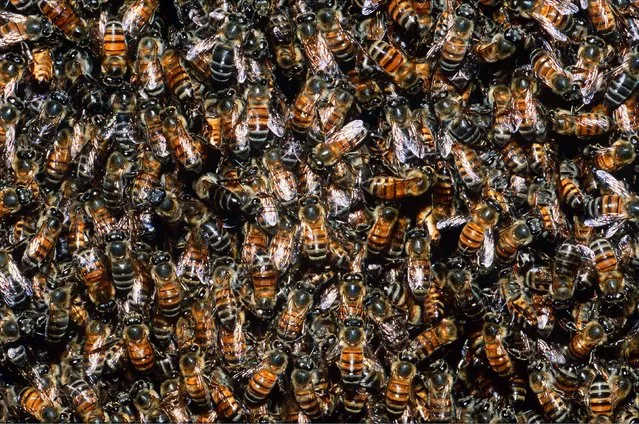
(114, 53)
(41, 65)
(112, 184)
(225, 57)
(500, 46)
(34, 402)
(500, 96)
(395, 64)
(209, 187)
(555, 408)
(439, 386)
(318, 52)
(314, 232)
(466, 294)
(582, 125)
(57, 322)
(169, 292)
(85, 400)
(97, 211)
(622, 85)
(379, 236)
(214, 124)
(550, 72)
(566, 263)
(177, 78)
(398, 239)
(477, 233)
(586, 73)
(291, 320)
(192, 371)
(15, 288)
(399, 387)
(123, 268)
(456, 43)
(344, 140)
(148, 67)
(338, 39)
(189, 150)
(305, 380)
(416, 183)
(91, 268)
(625, 117)
(136, 14)
(9, 202)
(138, 346)
(386, 320)
(469, 167)
(288, 54)
(19, 28)
(613, 158)
(511, 239)
(225, 302)
(585, 340)
(264, 278)
(44, 241)
(305, 104)
(222, 396)
(59, 158)
(432, 339)
(554, 17)
(518, 302)
(172, 401)
(493, 335)
(261, 118)
(263, 379)
(193, 265)
(527, 117)
(283, 183)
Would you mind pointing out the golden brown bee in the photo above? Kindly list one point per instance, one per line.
(204, 327)
(255, 240)
(434, 338)
(352, 293)
(288, 54)
(304, 107)
(518, 303)
(582, 125)
(192, 371)
(498, 47)
(416, 183)
(58, 315)
(501, 98)
(136, 14)
(114, 52)
(457, 42)
(41, 65)
(138, 346)
(38, 405)
(78, 235)
(399, 387)
(338, 39)
(148, 69)
(604, 255)
(314, 231)
(291, 320)
(585, 340)
(169, 292)
(499, 359)
(305, 379)
(264, 277)
(214, 124)
(85, 399)
(59, 158)
(177, 78)
(96, 335)
(511, 239)
(395, 64)
(380, 234)
(19, 28)
(193, 265)
(439, 386)
(626, 117)
(187, 149)
(551, 72)
(9, 202)
(555, 18)
(260, 117)
(613, 158)
(263, 380)
(344, 140)
(226, 305)
(554, 407)
(96, 210)
(222, 395)
(472, 236)
(469, 167)
(526, 111)
(232, 342)
(43, 242)
(92, 269)
(282, 181)
(282, 247)
(602, 16)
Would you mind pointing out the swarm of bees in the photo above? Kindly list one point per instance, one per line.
(319, 210)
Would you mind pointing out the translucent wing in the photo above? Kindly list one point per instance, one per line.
(564, 7)
(328, 297)
(201, 47)
(13, 17)
(551, 353)
(241, 65)
(445, 142)
(549, 27)
(487, 251)
(602, 221)
(611, 183)
(370, 6)
(11, 38)
(318, 54)
(11, 280)
(452, 222)
(276, 122)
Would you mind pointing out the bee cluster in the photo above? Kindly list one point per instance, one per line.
(319, 210)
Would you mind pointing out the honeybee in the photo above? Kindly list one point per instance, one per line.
(586, 72)
(379, 236)
(611, 159)
(282, 249)
(222, 395)
(291, 319)
(551, 72)
(96, 209)
(9, 202)
(434, 338)
(148, 68)
(282, 181)
(305, 380)
(192, 371)
(84, 399)
(622, 85)
(314, 231)
(19, 28)
(136, 338)
(415, 183)
(582, 125)
(38, 405)
(611, 208)
(15, 288)
(500, 46)
(177, 78)
(554, 17)
(318, 52)
(387, 321)
(456, 42)
(57, 322)
(304, 107)
(469, 167)
(261, 116)
(338, 39)
(509, 240)
(265, 376)
(91, 268)
(136, 14)
(44, 241)
(555, 408)
(439, 386)
(503, 126)
(626, 118)
(399, 387)
(395, 64)
(585, 340)
(344, 140)
(189, 150)
(114, 52)
(169, 291)
(41, 65)
(527, 116)
(288, 54)
(493, 335)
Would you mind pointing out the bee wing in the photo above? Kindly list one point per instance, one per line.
(10, 145)
(329, 297)
(153, 74)
(11, 38)
(276, 122)
(454, 221)
(602, 221)
(319, 55)
(593, 82)
(445, 141)
(585, 251)
(241, 65)
(487, 251)
(370, 6)
(612, 230)
(13, 17)
(564, 7)
(549, 27)
(612, 184)
(201, 46)
(552, 353)
(467, 164)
